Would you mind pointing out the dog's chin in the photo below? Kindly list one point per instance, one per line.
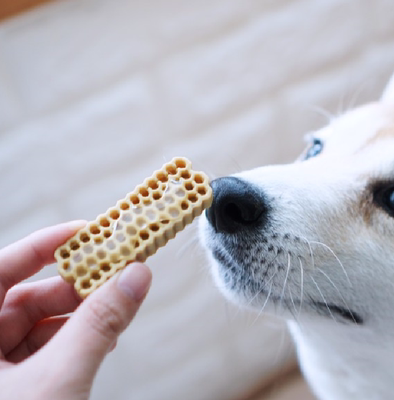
(240, 289)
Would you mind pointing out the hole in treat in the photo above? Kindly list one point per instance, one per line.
(94, 229)
(171, 169)
(151, 214)
(120, 237)
(185, 175)
(87, 249)
(125, 251)
(201, 190)
(114, 258)
(180, 163)
(77, 258)
(189, 186)
(144, 235)
(81, 271)
(156, 195)
(162, 177)
(96, 276)
(160, 206)
(118, 226)
(124, 206)
(107, 234)
(74, 245)
(131, 230)
(180, 193)
(101, 254)
(105, 267)
(154, 227)
(134, 199)
(135, 243)
(86, 285)
(110, 244)
(104, 222)
(174, 212)
(141, 222)
(64, 254)
(198, 178)
(147, 202)
(169, 199)
(114, 214)
(98, 240)
(66, 266)
(192, 198)
(165, 221)
(127, 217)
(153, 184)
(84, 237)
(184, 205)
(91, 262)
(144, 192)
(137, 210)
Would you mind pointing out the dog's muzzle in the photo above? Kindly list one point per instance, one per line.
(237, 206)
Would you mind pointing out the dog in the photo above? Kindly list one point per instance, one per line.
(313, 242)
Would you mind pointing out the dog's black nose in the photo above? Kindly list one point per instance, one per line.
(236, 205)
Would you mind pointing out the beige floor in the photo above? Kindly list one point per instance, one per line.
(290, 387)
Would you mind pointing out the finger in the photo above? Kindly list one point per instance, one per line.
(27, 303)
(41, 333)
(24, 258)
(86, 338)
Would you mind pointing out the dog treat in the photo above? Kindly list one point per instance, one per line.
(136, 227)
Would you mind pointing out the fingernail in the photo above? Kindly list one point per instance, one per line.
(134, 280)
(77, 224)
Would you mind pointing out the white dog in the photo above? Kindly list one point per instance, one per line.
(314, 241)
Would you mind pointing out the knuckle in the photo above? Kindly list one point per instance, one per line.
(106, 319)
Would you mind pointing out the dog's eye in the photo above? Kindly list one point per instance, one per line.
(315, 149)
(385, 199)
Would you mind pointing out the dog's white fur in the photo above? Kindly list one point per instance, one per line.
(327, 242)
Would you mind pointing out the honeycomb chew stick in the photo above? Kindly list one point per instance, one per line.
(135, 227)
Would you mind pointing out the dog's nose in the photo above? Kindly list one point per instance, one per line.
(236, 205)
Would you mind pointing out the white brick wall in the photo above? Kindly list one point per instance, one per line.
(95, 94)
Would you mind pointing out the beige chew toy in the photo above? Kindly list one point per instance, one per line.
(136, 227)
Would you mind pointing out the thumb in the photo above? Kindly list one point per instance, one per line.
(86, 338)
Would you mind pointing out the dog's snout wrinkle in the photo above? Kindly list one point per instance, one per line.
(236, 205)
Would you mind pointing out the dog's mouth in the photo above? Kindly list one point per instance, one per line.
(257, 286)
(332, 310)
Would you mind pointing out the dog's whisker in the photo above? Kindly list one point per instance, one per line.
(321, 111)
(324, 299)
(261, 290)
(336, 257)
(295, 314)
(357, 93)
(301, 285)
(338, 291)
(267, 299)
(190, 246)
(310, 251)
(285, 282)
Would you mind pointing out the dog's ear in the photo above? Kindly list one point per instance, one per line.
(388, 93)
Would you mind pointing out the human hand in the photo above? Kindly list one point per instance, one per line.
(45, 354)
